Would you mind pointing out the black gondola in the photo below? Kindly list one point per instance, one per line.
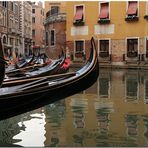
(22, 98)
(48, 69)
(57, 73)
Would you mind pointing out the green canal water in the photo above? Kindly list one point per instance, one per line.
(111, 113)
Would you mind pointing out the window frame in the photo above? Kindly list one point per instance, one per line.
(33, 11)
(109, 50)
(75, 47)
(127, 5)
(100, 3)
(33, 18)
(33, 35)
(53, 37)
(126, 46)
(75, 8)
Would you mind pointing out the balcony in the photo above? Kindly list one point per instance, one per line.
(57, 17)
(78, 23)
(12, 30)
(132, 54)
(131, 18)
(103, 21)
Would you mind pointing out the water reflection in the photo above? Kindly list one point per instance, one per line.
(113, 112)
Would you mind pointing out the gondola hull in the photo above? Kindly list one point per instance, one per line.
(29, 97)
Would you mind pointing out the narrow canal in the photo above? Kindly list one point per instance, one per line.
(113, 112)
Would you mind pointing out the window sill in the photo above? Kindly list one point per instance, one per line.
(78, 23)
(131, 18)
(146, 17)
(104, 21)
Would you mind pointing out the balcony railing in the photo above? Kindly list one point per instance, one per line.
(132, 54)
(12, 30)
(104, 54)
(57, 17)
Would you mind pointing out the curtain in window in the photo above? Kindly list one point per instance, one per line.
(132, 8)
(104, 11)
(79, 13)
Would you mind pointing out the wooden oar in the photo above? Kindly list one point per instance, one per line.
(15, 81)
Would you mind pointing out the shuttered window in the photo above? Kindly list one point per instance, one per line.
(132, 8)
(79, 13)
(104, 11)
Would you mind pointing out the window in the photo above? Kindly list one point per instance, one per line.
(16, 9)
(132, 11)
(1, 18)
(17, 24)
(11, 41)
(11, 22)
(4, 4)
(104, 13)
(52, 37)
(4, 40)
(54, 10)
(5, 18)
(132, 48)
(33, 33)
(46, 38)
(79, 49)
(79, 15)
(33, 19)
(104, 48)
(11, 6)
(33, 10)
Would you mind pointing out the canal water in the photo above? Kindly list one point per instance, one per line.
(113, 112)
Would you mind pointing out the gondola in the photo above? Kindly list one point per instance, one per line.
(48, 69)
(24, 61)
(60, 72)
(21, 63)
(22, 98)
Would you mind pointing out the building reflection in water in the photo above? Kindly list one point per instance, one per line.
(131, 123)
(113, 112)
(132, 86)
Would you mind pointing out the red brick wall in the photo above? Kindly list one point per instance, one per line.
(60, 34)
(70, 45)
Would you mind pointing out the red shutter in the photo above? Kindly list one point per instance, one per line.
(104, 12)
(79, 13)
(132, 8)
